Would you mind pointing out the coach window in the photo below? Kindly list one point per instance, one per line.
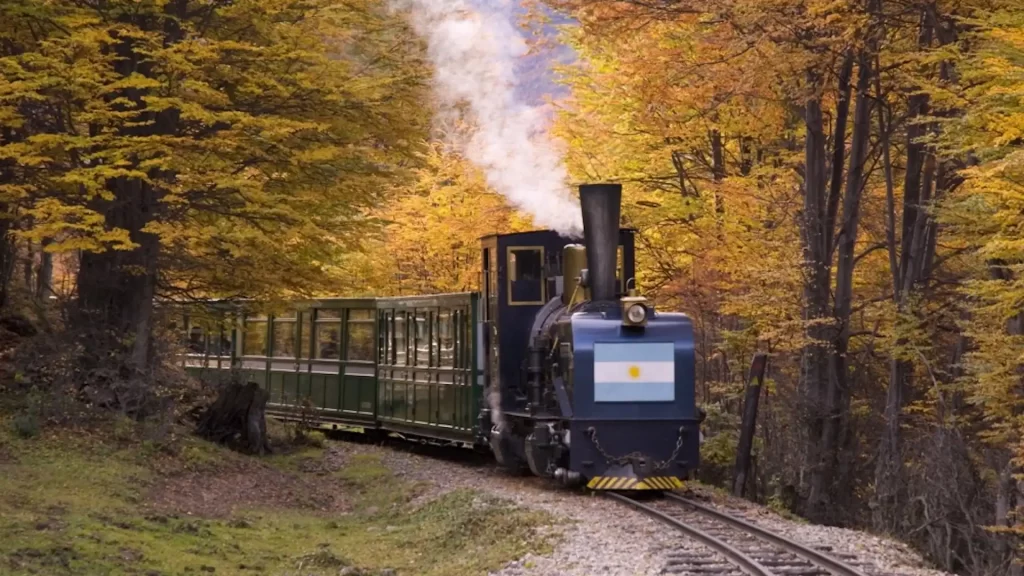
(196, 339)
(435, 337)
(305, 332)
(384, 337)
(360, 335)
(422, 338)
(399, 339)
(526, 276)
(284, 335)
(221, 343)
(218, 334)
(328, 334)
(254, 339)
(446, 339)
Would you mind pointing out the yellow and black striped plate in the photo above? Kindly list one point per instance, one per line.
(619, 483)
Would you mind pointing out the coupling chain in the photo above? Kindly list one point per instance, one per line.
(635, 455)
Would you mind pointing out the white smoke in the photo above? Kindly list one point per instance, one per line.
(474, 53)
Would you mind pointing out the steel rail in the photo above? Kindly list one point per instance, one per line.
(745, 563)
(823, 560)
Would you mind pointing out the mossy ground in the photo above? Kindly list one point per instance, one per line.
(92, 502)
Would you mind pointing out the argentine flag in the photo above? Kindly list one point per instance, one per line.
(634, 372)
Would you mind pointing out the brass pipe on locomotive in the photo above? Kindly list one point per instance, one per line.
(535, 372)
(574, 262)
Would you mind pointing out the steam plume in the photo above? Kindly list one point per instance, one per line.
(474, 53)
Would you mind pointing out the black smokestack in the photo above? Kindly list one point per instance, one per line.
(601, 204)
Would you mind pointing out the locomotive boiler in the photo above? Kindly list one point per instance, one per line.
(588, 382)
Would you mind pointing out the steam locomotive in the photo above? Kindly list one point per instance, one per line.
(556, 365)
(594, 385)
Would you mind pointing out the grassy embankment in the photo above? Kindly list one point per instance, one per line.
(99, 501)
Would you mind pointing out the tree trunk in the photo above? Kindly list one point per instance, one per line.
(8, 245)
(1003, 509)
(116, 288)
(8, 256)
(238, 416)
(749, 425)
(28, 264)
(817, 278)
(821, 200)
(44, 277)
(839, 148)
(746, 155)
(717, 170)
(889, 478)
(911, 266)
(822, 491)
(1017, 566)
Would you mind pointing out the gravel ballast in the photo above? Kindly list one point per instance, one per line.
(602, 537)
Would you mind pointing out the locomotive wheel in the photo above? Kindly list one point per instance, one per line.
(507, 448)
(513, 463)
(516, 466)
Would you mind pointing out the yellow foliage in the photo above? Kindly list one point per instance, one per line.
(263, 132)
(986, 220)
(431, 243)
(646, 102)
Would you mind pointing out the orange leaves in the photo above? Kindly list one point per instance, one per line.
(431, 244)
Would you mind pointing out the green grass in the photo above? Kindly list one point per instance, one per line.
(79, 503)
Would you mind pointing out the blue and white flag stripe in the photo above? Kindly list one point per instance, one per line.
(634, 372)
(634, 352)
(649, 392)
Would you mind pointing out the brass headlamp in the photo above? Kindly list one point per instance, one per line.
(635, 309)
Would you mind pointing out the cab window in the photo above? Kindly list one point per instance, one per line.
(526, 276)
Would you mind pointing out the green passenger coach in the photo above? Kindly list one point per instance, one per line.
(409, 365)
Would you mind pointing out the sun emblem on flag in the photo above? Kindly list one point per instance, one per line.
(634, 372)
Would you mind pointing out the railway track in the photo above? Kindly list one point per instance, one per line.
(733, 545)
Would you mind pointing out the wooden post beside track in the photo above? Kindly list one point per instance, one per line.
(749, 424)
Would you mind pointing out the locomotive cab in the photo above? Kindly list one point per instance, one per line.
(522, 273)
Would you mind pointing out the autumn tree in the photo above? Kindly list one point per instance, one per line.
(745, 130)
(985, 219)
(740, 67)
(201, 148)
